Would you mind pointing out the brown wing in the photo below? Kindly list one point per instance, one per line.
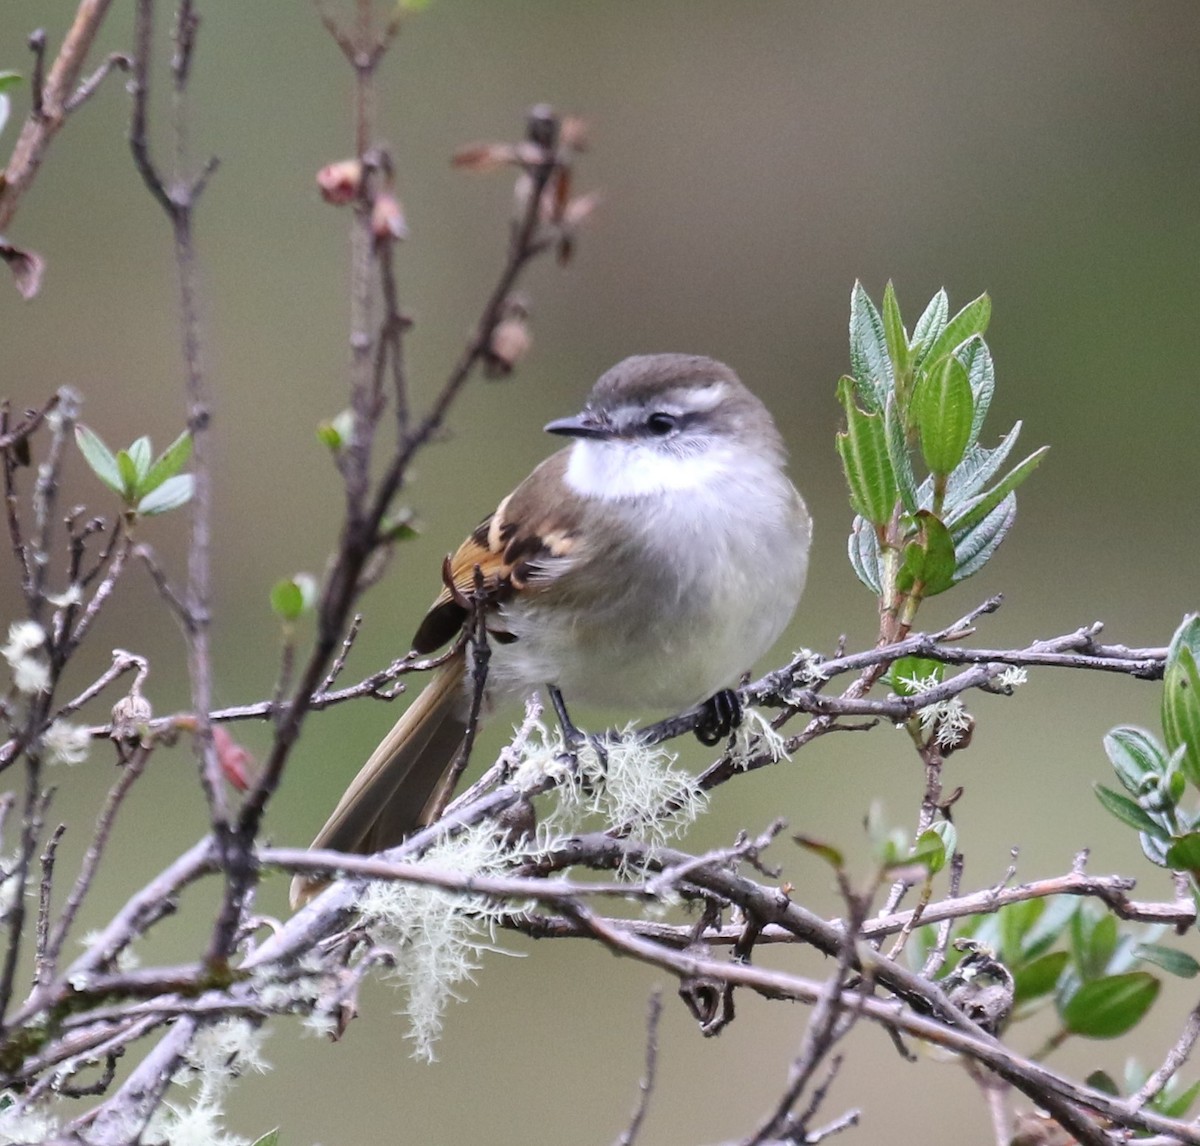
(519, 548)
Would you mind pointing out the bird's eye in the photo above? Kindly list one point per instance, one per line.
(661, 423)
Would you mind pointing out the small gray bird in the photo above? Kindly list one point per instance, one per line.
(645, 566)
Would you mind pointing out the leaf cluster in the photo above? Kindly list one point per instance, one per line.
(1157, 774)
(913, 401)
(145, 484)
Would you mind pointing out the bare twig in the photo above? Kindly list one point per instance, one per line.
(646, 1085)
(41, 126)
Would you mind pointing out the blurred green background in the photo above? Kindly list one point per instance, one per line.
(754, 160)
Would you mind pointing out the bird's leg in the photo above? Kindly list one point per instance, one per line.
(720, 714)
(573, 737)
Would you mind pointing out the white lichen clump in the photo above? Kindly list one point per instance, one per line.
(949, 719)
(66, 743)
(438, 937)
(30, 672)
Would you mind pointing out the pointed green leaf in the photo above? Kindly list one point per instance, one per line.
(1134, 754)
(822, 850)
(168, 463)
(1170, 959)
(139, 454)
(863, 449)
(898, 454)
(99, 458)
(929, 851)
(1184, 853)
(1176, 1105)
(1109, 1007)
(869, 361)
(974, 549)
(863, 550)
(942, 410)
(1128, 812)
(930, 326)
(271, 1138)
(981, 373)
(894, 333)
(127, 468)
(1181, 696)
(977, 468)
(9, 80)
(971, 320)
(1039, 977)
(173, 493)
(1050, 925)
(974, 511)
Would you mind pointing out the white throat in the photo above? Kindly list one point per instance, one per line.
(623, 470)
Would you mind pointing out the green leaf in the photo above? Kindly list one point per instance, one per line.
(9, 80)
(1134, 755)
(929, 559)
(981, 373)
(1181, 696)
(863, 449)
(1103, 1081)
(929, 851)
(869, 361)
(895, 335)
(173, 493)
(943, 410)
(338, 430)
(1109, 1007)
(127, 468)
(139, 454)
(1128, 812)
(1171, 960)
(908, 669)
(99, 459)
(863, 549)
(971, 320)
(974, 549)
(1184, 853)
(168, 463)
(929, 326)
(977, 468)
(822, 850)
(271, 1138)
(1051, 923)
(897, 447)
(400, 526)
(975, 510)
(1039, 976)
(1176, 1105)
(294, 596)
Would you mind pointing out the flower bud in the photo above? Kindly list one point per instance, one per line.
(340, 183)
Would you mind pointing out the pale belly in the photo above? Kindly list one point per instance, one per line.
(667, 634)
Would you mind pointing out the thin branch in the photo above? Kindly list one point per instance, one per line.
(646, 1085)
(39, 130)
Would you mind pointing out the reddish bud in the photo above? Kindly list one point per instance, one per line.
(387, 217)
(339, 183)
(235, 761)
(510, 343)
(483, 157)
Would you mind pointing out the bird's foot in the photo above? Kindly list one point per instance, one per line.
(720, 715)
(575, 738)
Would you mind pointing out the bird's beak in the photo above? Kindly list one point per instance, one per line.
(585, 424)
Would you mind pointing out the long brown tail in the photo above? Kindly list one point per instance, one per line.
(398, 785)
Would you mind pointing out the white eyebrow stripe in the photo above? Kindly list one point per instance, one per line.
(705, 397)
